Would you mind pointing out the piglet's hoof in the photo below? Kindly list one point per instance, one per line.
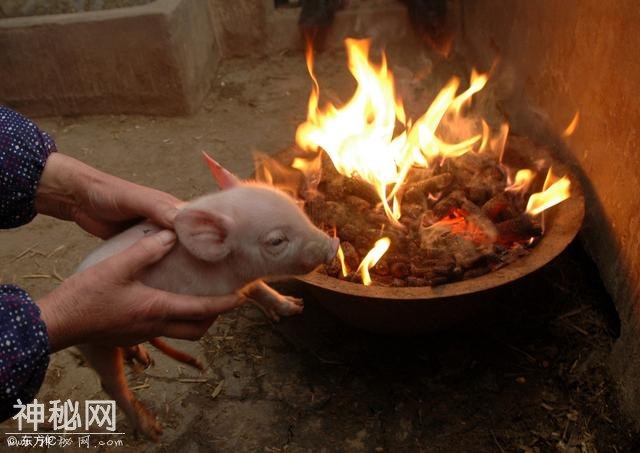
(145, 422)
(138, 354)
(275, 305)
(288, 305)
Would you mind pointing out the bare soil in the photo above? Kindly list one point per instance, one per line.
(532, 378)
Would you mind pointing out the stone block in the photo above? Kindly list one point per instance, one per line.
(152, 59)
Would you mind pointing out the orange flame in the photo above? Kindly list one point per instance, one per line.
(370, 138)
(370, 260)
(343, 264)
(522, 181)
(571, 128)
(499, 142)
(554, 192)
(312, 171)
(272, 172)
(360, 137)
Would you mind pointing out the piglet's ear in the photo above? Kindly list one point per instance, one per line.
(204, 234)
(223, 177)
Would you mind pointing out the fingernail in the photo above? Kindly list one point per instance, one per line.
(166, 237)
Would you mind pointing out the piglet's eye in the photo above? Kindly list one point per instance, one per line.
(276, 241)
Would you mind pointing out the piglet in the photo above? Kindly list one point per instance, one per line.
(227, 241)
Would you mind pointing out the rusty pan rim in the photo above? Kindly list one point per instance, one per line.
(563, 223)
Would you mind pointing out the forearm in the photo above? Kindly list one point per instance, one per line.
(63, 180)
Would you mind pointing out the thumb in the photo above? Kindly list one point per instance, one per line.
(146, 251)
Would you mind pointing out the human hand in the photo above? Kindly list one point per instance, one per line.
(99, 203)
(106, 304)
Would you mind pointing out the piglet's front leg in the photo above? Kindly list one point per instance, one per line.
(271, 302)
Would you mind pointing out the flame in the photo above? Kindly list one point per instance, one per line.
(499, 142)
(312, 171)
(370, 138)
(554, 192)
(478, 81)
(522, 181)
(360, 136)
(272, 172)
(485, 136)
(370, 260)
(343, 264)
(571, 128)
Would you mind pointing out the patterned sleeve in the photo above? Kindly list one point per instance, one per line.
(23, 152)
(24, 343)
(24, 349)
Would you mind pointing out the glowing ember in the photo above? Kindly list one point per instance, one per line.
(370, 260)
(463, 224)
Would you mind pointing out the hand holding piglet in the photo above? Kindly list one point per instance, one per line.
(106, 304)
(99, 203)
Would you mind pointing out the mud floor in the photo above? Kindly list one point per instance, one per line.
(531, 378)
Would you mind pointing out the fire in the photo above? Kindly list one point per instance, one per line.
(370, 138)
(522, 181)
(343, 265)
(370, 260)
(554, 192)
(360, 136)
(571, 128)
(312, 171)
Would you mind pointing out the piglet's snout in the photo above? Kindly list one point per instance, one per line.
(320, 250)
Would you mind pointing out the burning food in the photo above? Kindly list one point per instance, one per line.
(415, 203)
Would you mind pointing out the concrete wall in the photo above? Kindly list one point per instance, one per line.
(152, 59)
(16, 8)
(157, 58)
(581, 54)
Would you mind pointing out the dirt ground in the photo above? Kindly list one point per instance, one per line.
(533, 378)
